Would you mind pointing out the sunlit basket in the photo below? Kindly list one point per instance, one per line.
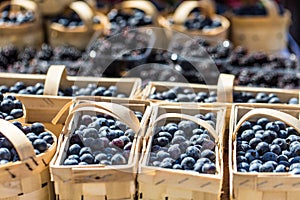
(28, 178)
(22, 35)
(183, 11)
(79, 36)
(267, 33)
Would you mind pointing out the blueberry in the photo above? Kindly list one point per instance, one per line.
(291, 131)
(263, 122)
(118, 142)
(6, 106)
(177, 166)
(269, 156)
(262, 148)
(118, 159)
(281, 168)
(293, 101)
(49, 139)
(86, 119)
(254, 167)
(5, 154)
(187, 127)
(295, 149)
(243, 165)
(166, 164)
(70, 162)
(256, 128)
(245, 126)
(294, 166)
(193, 152)
(209, 168)
(40, 144)
(275, 148)
(247, 135)
(37, 128)
(268, 136)
(282, 134)
(178, 139)
(188, 163)
(162, 155)
(87, 157)
(266, 167)
(165, 134)
(281, 142)
(76, 157)
(174, 151)
(85, 150)
(251, 155)
(208, 154)
(254, 141)
(208, 144)
(240, 159)
(197, 131)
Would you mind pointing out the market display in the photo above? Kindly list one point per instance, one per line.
(147, 100)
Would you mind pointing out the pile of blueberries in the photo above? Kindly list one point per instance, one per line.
(90, 90)
(260, 97)
(10, 107)
(101, 140)
(179, 94)
(15, 18)
(267, 146)
(184, 145)
(120, 19)
(40, 139)
(71, 20)
(199, 22)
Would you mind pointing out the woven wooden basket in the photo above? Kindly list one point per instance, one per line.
(151, 10)
(28, 178)
(22, 35)
(262, 33)
(158, 183)
(261, 186)
(207, 8)
(80, 36)
(97, 181)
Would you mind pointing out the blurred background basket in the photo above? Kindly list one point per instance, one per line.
(206, 7)
(21, 34)
(268, 33)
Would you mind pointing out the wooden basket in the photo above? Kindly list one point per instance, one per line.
(262, 33)
(28, 178)
(151, 10)
(80, 36)
(158, 183)
(43, 108)
(96, 181)
(52, 7)
(261, 186)
(22, 35)
(183, 11)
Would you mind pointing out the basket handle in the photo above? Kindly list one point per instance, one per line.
(19, 140)
(115, 110)
(28, 5)
(288, 119)
(186, 7)
(85, 13)
(198, 121)
(145, 6)
(55, 75)
(271, 7)
(225, 88)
